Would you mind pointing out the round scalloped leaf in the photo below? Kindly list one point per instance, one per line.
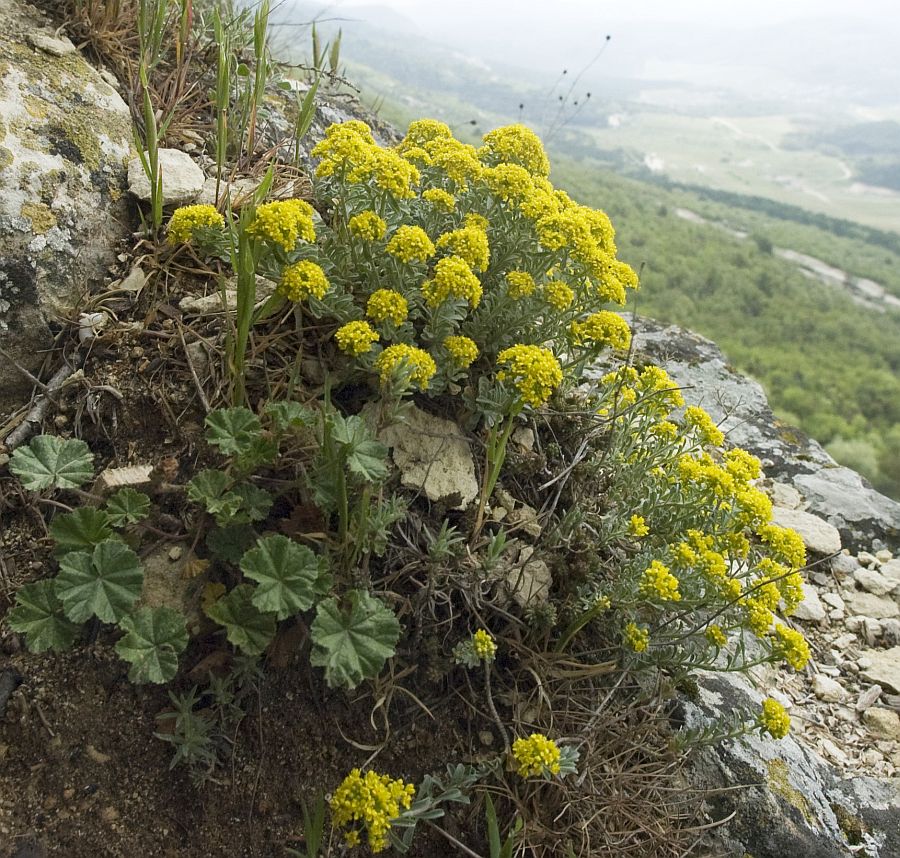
(104, 583)
(154, 638)
(233, 430)
(246, 627)
(353, 645)
(287, 575)
(49, 461)
(127, 506)
(80, 530)
(38, 614)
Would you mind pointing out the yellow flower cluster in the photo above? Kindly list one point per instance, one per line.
(386, 304)
(510, 182)
(368, 226)
(185, 222)
(346, 146)
(519, 284)
(773, 719)
(716, 636)
(637, 526)
(658, 582)
(452, 278)
(707, 431)
(469, 243)
(785, 544)
(535, 756)
(515, 144)
(356, 338)
(431, 143)
(370, 801)
(636, 637)
(792, 646)
(657, 393)
(303, 279)
(284, 222)
(558, 294)
(535, 372)
(484, 645)
(602, 329)
(418, 363)
(440, 198)
(410, 243)
(462, 350)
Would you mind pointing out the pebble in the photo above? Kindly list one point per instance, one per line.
(828, 689)
(868, 698)
(871, 630)
(866, 559)
(175, 553)
(882, 723)
(884, 556)
(870, 605)
(810, 609)
(873, 581)
(833, 600)
(843, 566)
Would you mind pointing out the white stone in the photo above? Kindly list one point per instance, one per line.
(530, 584)
(874, 582)
(50, 45)
(868, 697)
(810, 609)
(882, 723)
(117, 478)
(891, 570)
(870, 605)
(828, 689)
(818, 536)
(884, 668)
(785, 495)
(182, 179)
(866, 559)
(884, 556)
(241, 191)
(433, 455)
(833, 600)
(524, 437)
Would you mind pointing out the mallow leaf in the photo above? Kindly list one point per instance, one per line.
(353, 644)
(365, 456)
(233, 430)
(229, 543)
(38, 614)
(212, 489)
(288, 575)
(246, 626)
(80, 530)
(104, 583)
(154, 638)
(127, 506)
(49, 461)
(287, 414)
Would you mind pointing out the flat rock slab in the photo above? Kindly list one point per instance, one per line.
(182, 179)
(884, 668)
(818, 536)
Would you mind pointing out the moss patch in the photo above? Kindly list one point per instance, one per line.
(6, 157)
(780, 784)
(42, 219)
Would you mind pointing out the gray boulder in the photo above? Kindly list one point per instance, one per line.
(65, 135)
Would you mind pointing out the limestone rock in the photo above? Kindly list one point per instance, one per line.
(828, 689)
(785, 496)
(891, 571)
(882, 723)
(810, 609)
(65, 135)
(241, 190)
(818, 536)
(873, 581)
(843, 566)
(870, 605)
(530, 584)
(433, 455)
(884, 668)
(182, 179)
(168, 583)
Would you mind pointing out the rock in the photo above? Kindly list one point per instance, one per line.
(843, 566)
(90, 325)
(241, 191)
(890, 630)
(168, 584)
(891, 570)
(530, 584)
(818, 536)
(433, 455)
(225, 301)
(871, 630)
(785, 495)
(873, 581)
(117, 478)
(182, 179)
(870, 605)
(525, 518)
(828, 689)
(884, 556)
(65, 135)
(882, 723)
(833, 600)
(868, 697)
(810, 609)
(884, 668)
(524, 437)
(864, 558)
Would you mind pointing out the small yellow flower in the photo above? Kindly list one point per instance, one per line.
(602, 329)
(440, 198)
(187, 220)
(535, 372)
(716, 636)
(637, 638)
(509, 182)
(535, 756)
(515, 144)
(483, 645)
(452, 278)
(792, 646)
(558, 294)
(410, 243)
(419, 364)
(356, 338)
(302, 279)
(369, 801)
(386, 304)
(773, 719)
(519, 284)
(284, 222)
(368, 226)
(708, 432)
(659, 582)
(784, 543)
(469, 243)
(637, 526)
(462, 350)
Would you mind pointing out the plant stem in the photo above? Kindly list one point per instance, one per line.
(493, 709)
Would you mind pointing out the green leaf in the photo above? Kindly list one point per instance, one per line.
(353, 645)
(127, 506)
(289, 414)
(211, 488)
(104, 583)
(229, 543)
(365, 456)
(49, 461)
(255, 502)
(287, 574)
(247, 628)
(38, 614)
(154, 638)
(80, 530)
(233, 430)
